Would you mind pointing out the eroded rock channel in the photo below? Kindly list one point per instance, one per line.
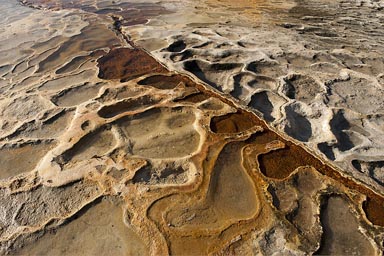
(105, 150)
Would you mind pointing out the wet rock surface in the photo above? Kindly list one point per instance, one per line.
(105, 150)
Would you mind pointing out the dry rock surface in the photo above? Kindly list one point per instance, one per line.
(184, 128)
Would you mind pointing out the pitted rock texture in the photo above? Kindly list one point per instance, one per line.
(104, 150)
(311, 69)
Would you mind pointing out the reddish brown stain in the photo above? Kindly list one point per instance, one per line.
(281, 163)
(165, 82)
(234, 122)
(195, 98)
(126, 64)
(374, 209)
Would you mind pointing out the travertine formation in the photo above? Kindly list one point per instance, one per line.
(103, 150)
(314, 69)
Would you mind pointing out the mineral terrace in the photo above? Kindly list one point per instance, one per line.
(191, 127)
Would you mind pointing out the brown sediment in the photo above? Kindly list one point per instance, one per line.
(234, 122)
(280, 163)
(194, 98)
(126, 64)
(165, 82)
(374, 209)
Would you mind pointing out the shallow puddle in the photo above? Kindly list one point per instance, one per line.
(341, 231)
(151, 131)
(22, 158)
(77, 95)
(94, 144)
(96, 229)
